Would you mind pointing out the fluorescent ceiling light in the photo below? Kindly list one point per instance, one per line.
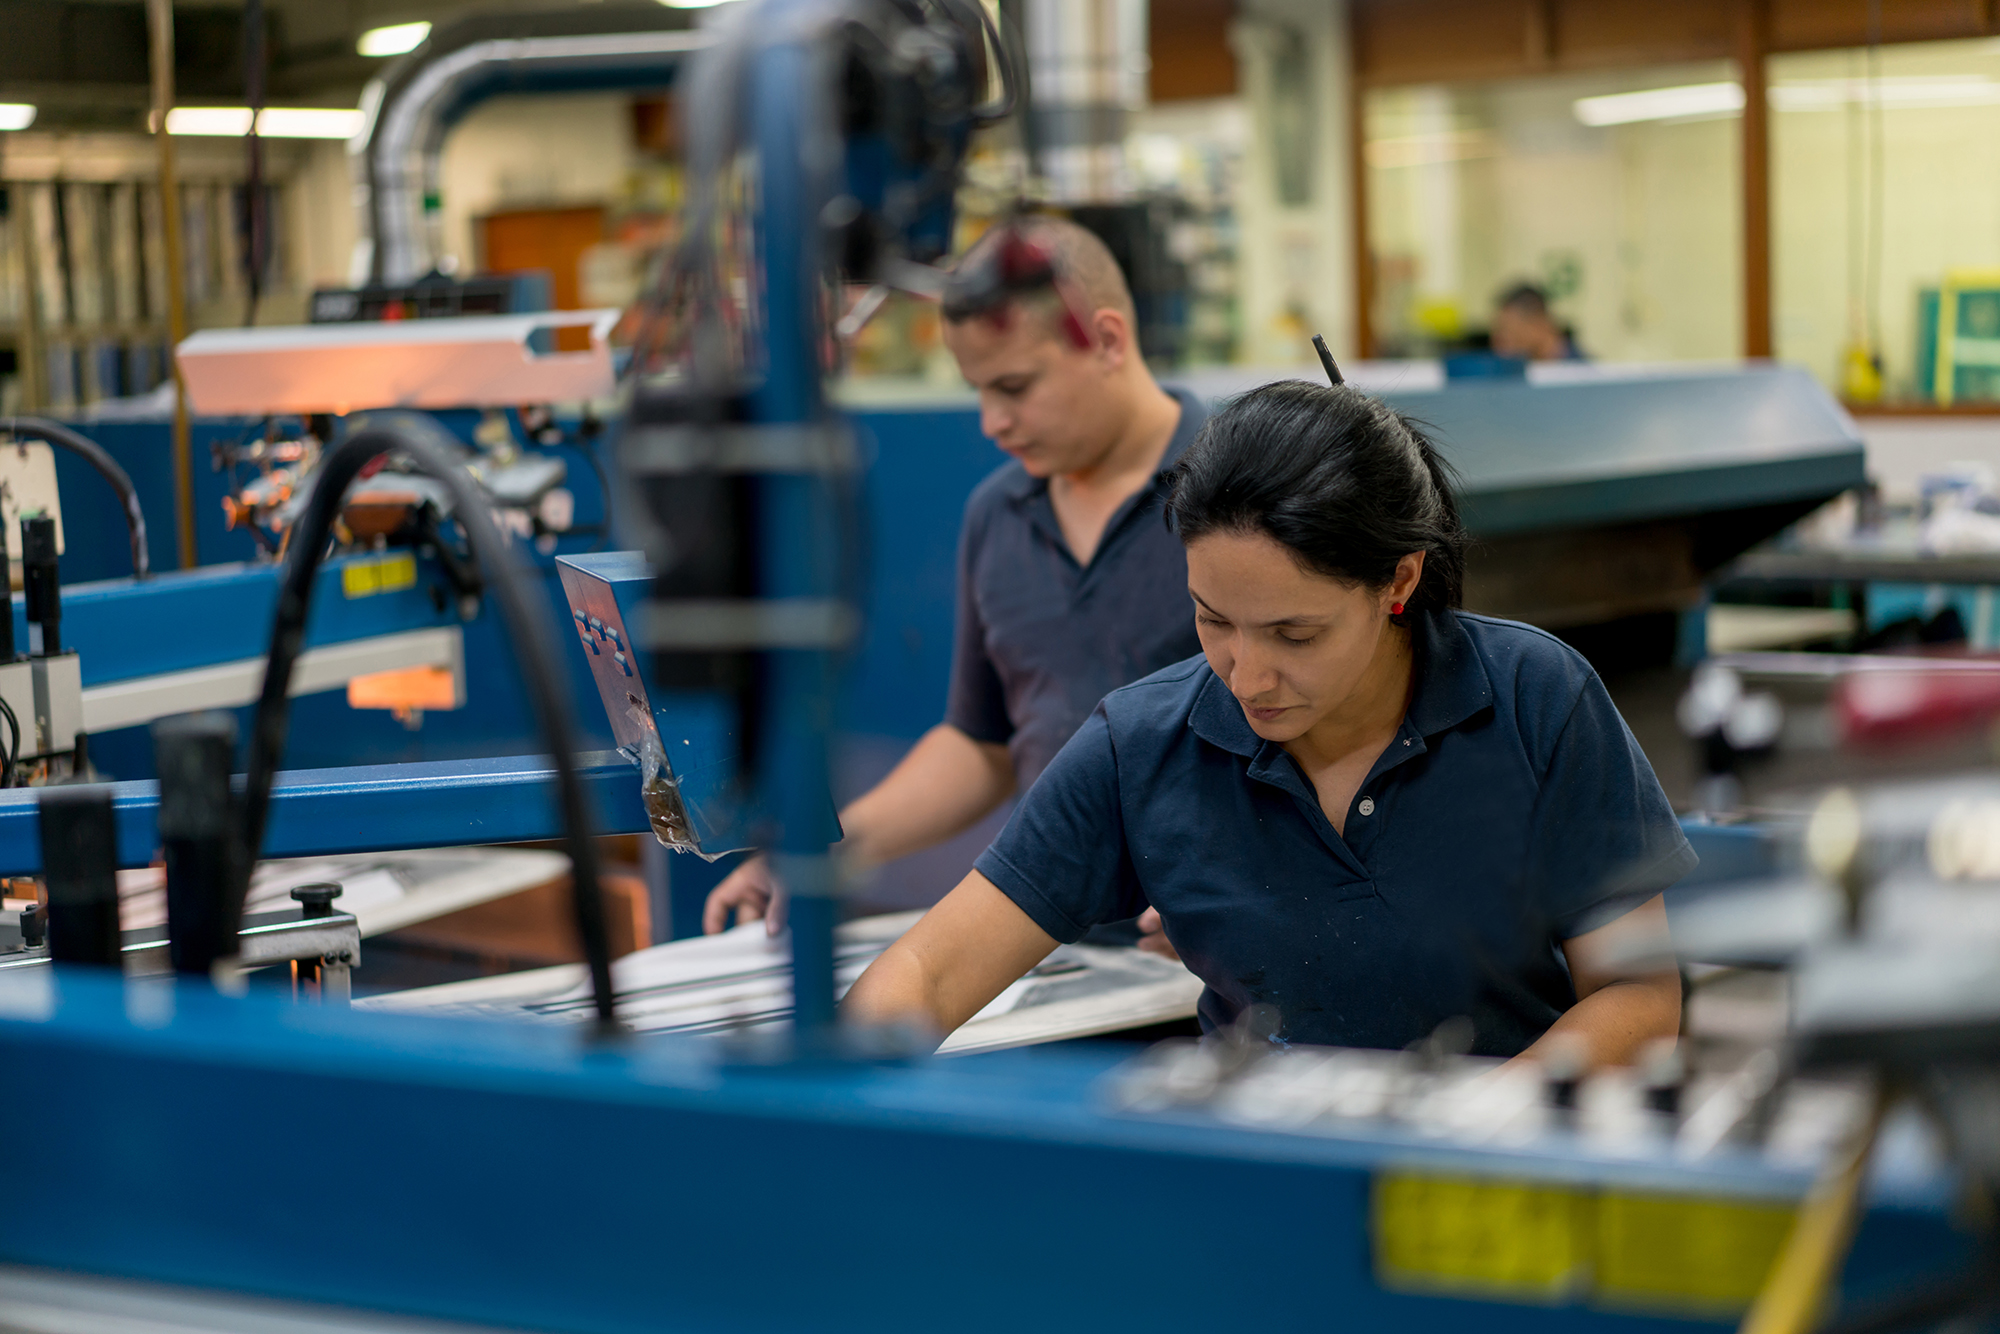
(1688, 100)
(16, 115)
(393, 40)
(1903, 92)
(1701, 100)
(275, 122)
(232, 122)
(310, 122)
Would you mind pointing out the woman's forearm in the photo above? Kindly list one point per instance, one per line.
(1617, 1020)
(959, 955)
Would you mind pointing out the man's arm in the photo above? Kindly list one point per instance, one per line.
(945, 785)
(956, 959)
(1620, 1008)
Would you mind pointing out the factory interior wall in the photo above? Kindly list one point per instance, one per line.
(1295, 255)
(321, 214)
(1633, 228)
(1937, 199)
(533, 152)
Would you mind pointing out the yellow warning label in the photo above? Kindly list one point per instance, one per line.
(1479, 1237)
(397, 572)
(379, 574)
(1685, 1252)
(1542, 1242)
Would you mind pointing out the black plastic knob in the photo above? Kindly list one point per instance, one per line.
(316, 899)
(33, 930)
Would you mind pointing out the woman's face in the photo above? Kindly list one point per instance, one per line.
(1293, 646)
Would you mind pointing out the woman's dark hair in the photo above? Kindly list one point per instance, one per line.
(1348, 486)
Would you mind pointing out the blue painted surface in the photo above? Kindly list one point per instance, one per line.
(1729, 852)
(520, 1178)
(324, 731)
(510, 799)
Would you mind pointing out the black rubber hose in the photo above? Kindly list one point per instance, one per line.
(41, 428)
(436, 455)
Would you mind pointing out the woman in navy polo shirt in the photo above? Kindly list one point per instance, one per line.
(1359, 806)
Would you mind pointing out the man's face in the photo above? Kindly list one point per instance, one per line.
(1519, 332)
(1048, 404)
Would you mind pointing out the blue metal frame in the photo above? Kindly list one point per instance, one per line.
(372, 808)
(222, 613)
(514, 1175)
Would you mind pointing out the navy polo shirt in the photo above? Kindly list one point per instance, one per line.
(1040, 639)
(1513, 810)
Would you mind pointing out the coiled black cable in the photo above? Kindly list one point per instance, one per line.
(437, 456)
(55, 433)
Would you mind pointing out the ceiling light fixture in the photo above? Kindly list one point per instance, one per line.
(1687, 100)
(393, 40)
(16, 115)
(273, 123)
(1701, 101)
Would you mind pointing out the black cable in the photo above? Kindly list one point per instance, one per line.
(437, 456)
(55, 433)
(13, 751)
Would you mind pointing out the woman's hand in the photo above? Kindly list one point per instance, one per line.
(1153, 936)
(959, 955)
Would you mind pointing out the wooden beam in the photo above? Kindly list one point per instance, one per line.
(160, 21)
(1539, 34)
(1753, 42)
(1357, 175)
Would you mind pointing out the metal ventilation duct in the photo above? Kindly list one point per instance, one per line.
(1086, 74)
(419, 97)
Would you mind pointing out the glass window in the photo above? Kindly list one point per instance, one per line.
(1886, 189)
(1617, 194)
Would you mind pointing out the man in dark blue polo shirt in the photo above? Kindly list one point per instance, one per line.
(1069, 583)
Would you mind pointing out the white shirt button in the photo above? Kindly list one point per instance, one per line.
(1367, 806)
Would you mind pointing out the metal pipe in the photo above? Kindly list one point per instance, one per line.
(415, 102)
(1086, 74)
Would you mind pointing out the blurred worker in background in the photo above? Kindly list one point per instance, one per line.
(1524, 329)
(1069, 584)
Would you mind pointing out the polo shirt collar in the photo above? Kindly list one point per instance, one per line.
(1020, 485)
(1452, 686)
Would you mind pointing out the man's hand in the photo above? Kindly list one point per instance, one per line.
(751, 892)
(1153, 936)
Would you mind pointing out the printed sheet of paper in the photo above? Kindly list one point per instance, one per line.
(741, 980)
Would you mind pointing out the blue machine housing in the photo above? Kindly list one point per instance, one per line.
(516, 1176)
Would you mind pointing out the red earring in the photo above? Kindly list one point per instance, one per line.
(1395, 609)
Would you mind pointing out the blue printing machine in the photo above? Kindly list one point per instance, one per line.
(516, 1176)
(712, 1196)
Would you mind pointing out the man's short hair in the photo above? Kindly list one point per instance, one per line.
(1081, 260)
(1528, 298)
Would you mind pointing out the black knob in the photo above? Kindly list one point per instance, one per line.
(317, 898)
(33, 932)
